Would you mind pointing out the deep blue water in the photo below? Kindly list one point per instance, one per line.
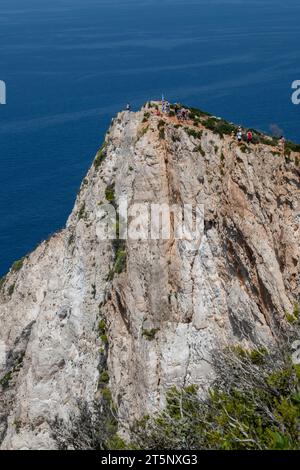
(70, 65)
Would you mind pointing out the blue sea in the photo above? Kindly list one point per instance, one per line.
(70, 65)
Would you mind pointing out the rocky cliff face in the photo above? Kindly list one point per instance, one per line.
(149, 311)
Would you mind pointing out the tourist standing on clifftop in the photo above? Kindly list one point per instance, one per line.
(239, 135)
(249, 137)
(282, 143)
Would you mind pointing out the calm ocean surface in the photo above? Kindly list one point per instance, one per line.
(70, 65)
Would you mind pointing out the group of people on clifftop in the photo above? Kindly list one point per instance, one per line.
(242, 136)
(247, 136)
(182, 114)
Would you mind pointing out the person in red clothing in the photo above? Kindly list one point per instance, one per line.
(249, 137)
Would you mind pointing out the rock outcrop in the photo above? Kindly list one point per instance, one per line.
(149, 311)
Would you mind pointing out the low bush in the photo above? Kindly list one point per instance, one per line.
(146, 117)
(82, 213)
(93, 427)
(101, 154)
(149, 334)
(110, 193)
(193, 133)
(292, 146)
(254, 404)
(200, 150)
(17, 265)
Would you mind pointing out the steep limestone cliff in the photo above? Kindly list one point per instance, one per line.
(162, 306)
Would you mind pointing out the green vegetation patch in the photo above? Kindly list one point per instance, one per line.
(292, 146)
(193, 133)
(149, 334)
(200, 150)
(11, 289)
(82, 213)
(100, 157)
(104, 339)
(161, 129)
(94, 426)
(110, 193)
(102, 328)
(162, 134)
(142, 132)
(18, 265)
(119, 264)
(195, 113)
(253, 405)
(244, 148)
(266, 140)
(104, 377)
(175, 138)
(146, 117)
(71, 239)
(294, 317)
(219, 126)
(2, 281)
(5, 381)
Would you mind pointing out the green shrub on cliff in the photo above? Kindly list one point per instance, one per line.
(101, 154)
(17, 265)
(254, 404)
